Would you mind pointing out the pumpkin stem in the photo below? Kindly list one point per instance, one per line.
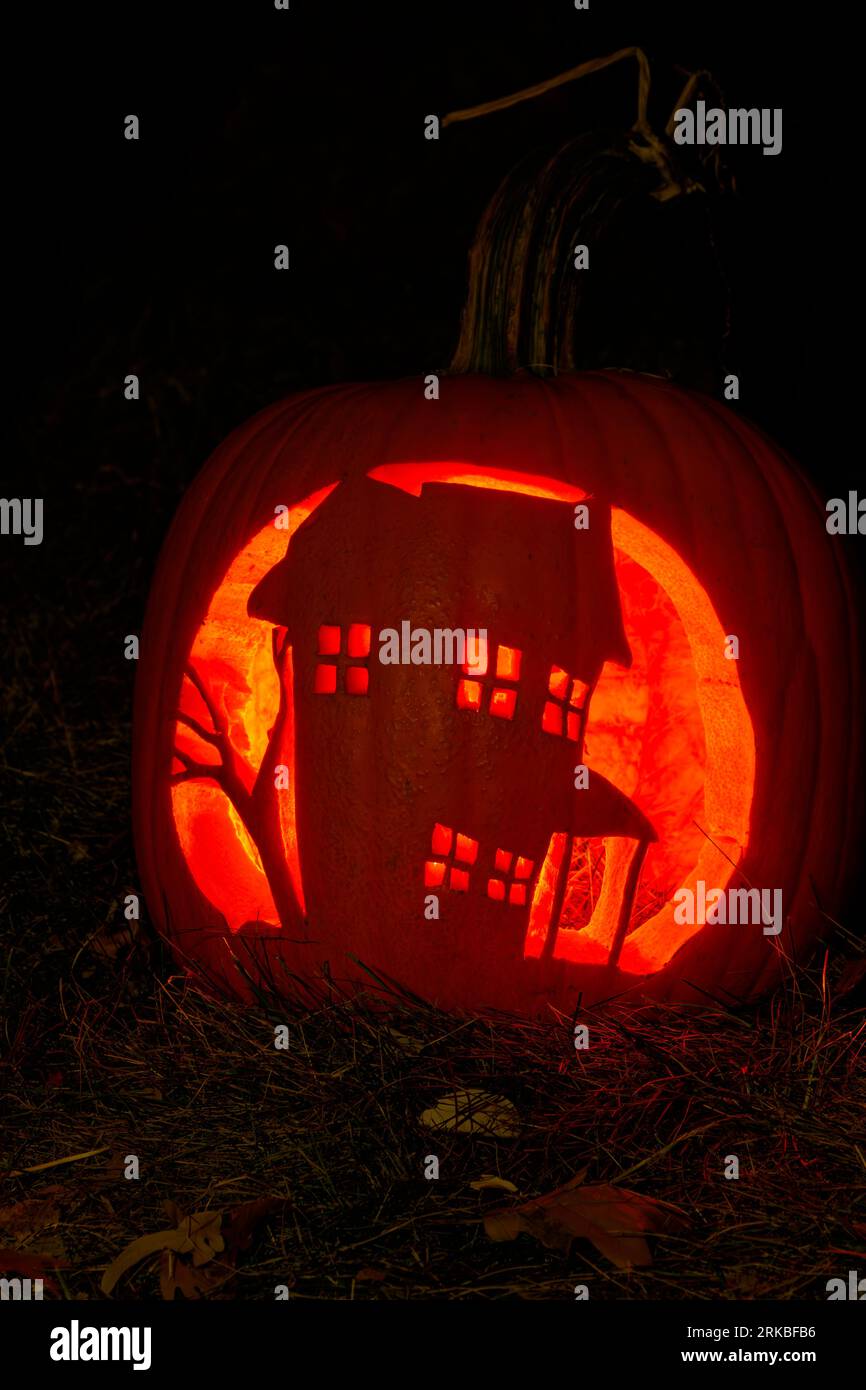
(526, 286)
(582, 70)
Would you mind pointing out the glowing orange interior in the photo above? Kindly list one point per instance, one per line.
(672, 732)
(232, 655)
(704, 772)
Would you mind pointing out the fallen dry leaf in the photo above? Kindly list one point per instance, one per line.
(198, 1235)
(202, 1236)
(134, 1253)
(24, 1219)
(177, 1275)
(473, 1111)
(243, 1221)
(172, 1211)
(30, 1266)
(490, 1180)
(29, 1225)
(612, 1218)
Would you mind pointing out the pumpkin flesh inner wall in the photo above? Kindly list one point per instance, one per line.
(671, 732)
(232, 654)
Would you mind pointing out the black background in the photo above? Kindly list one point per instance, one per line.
(306, 127)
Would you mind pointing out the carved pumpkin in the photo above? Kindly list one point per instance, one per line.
(406, 781)
(513, 830)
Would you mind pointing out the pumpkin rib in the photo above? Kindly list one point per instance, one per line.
(730, 958)
(744, 444)
(633, 397)
(154, 720)
(796, 491)
(808, 776)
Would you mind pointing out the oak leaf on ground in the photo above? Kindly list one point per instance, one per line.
(614, 1219)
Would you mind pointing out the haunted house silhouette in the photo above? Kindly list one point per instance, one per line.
(412, 780)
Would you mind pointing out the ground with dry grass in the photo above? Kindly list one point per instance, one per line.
(326, 1138)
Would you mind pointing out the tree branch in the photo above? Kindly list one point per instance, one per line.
(208, 736)
(203, 691)
(229, 772)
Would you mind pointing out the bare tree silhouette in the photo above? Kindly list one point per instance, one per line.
(259, 808)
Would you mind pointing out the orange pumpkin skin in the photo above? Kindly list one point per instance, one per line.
(717, 534)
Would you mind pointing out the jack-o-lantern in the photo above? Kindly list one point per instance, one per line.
(662, 698)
